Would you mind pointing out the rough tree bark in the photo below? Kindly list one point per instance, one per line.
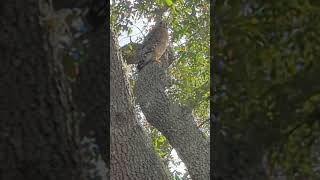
(91, 95)
(132, 156)
(37, 138)
(236, 160)
(175, 122)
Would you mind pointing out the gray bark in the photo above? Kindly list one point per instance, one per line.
(132, 155)
(37, 139)
(175, 122)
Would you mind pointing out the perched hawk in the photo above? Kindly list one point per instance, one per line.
(154, 45)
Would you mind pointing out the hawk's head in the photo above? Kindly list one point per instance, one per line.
(162, 23)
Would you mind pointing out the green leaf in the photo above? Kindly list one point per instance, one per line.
(168, 2)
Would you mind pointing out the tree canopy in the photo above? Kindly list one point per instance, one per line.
(265, 72)
(266, 68)
(189, 40)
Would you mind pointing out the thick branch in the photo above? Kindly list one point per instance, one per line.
(132, 156)
(175, 122)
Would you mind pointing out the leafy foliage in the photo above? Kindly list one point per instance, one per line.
(161, 145)
(189, 31)
(266, 61)
(190, 36)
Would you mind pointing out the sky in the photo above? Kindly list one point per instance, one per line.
(124, 39)
(136, 33)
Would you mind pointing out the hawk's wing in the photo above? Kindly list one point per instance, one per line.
(154, 45)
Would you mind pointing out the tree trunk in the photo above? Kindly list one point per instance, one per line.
(236, 160)
(92, 98)
(175, 122)
(37, 136)
(132, 155)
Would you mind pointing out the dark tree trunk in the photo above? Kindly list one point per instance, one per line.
(92, 94)
(237, 161)
(37, 138)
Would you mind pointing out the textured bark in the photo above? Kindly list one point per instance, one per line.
(37, 139)
(60, 4)
(236, 160)
(175, 122)
(132, 156)
(91, 94)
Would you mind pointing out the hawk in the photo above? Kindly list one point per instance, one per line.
(154, 45)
